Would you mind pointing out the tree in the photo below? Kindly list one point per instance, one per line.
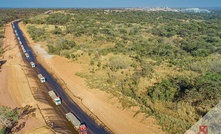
(8, 116)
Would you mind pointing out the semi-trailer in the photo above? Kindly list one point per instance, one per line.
(55, 98)
(42, 78)
(81, 128)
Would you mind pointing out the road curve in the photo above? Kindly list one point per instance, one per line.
(68, 105)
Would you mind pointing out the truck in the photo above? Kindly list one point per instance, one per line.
(32, 64)
(22, 46)
(55, 98)
(20, 42)
(24, 50)
(26, 55)
(42, 78)
(81, 128)
(18, 38)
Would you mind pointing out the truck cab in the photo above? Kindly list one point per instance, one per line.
(32, 64)
(57, 100)
(42, 79)
(82, 129)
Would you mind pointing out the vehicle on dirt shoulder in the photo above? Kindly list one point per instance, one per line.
(24, 50)
(81, 128)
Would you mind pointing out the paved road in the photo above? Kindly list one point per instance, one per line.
(68, 105)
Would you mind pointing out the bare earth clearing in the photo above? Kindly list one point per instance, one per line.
(103, 105)
(15, 89)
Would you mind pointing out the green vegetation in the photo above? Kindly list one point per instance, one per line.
(166, 63)
(8, 117)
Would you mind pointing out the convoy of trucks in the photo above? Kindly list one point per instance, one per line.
(42, 78)
(81, 128)
(55, 98)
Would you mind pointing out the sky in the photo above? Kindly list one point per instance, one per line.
(107, 3)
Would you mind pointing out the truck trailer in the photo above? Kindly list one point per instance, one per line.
(55, 98)
(32, 64)
(42, 78)
(81, 128)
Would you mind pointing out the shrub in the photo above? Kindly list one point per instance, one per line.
(67, 55)
(104, 67)
(73, 56)
(99, 64)
(92, 62)
(118, 62)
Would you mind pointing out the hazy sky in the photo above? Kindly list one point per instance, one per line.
(108, 3)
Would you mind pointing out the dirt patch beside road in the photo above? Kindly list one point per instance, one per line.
(96, 101)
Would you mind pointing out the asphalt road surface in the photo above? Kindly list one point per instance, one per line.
(61, 125)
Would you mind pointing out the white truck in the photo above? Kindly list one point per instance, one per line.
(81, 128)
(20, 42)
(32, 64)
(56, 99)
(42, 78)
(26, 55)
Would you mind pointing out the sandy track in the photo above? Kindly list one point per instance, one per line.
(15, 91)
(96, 101)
